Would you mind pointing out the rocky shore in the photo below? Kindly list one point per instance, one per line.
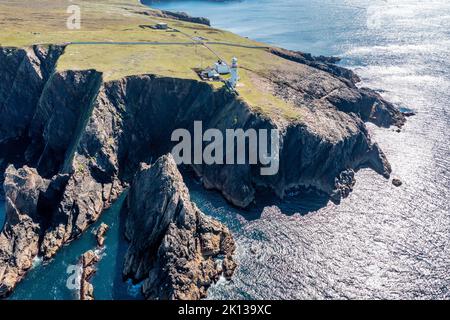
(28, 196)
(76, 142)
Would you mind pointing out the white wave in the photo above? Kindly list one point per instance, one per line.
(37, 261)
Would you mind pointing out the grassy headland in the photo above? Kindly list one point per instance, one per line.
(44, 22)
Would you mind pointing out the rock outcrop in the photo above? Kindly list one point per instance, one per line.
(87, 262)
(86, 138)
(397, 182)
(343, 95)
(42, 127)
(174, 248)
(327, 64)
(183, 16)
(100, 234)
(33, 67)
(27, 195)
(28, 68)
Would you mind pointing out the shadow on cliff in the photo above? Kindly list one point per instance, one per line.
(212, 202)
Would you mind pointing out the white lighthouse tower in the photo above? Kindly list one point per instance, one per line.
(234, 73)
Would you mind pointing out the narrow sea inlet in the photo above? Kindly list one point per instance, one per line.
(52, 280)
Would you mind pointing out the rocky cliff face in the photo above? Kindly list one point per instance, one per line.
(90, 136)
(174, 247)
(88, 263)
(28, 197)
(23, 75)
(183, 16)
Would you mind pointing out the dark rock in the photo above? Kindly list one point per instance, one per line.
(343, 185)
(397, 182)
(183, 16)
(18, 67)
(100, 234)
(58, 116)
(28, 68)
(368, 105)
(19, 240)
(87, 139)
(87, 261)
(322, 63)
(80, 206)
(174, 247)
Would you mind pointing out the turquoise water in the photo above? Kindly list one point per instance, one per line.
(49, 281)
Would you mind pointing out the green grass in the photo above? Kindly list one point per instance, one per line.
(43, 22)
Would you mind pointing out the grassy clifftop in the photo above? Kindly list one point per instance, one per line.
(44, 22)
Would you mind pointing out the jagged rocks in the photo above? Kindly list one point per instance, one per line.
(60, 117)
(368, 105)
(344, 185)
(81, 204)
(31, 67)
(97, 133)
(174, 247)
(87, 261)
(322, 63)
(23, 75)
(183, 16)
(19, 241)
(100, 234)
(26, 194)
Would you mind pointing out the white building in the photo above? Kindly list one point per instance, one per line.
(222, 67)
(162, 26)
(212, 73)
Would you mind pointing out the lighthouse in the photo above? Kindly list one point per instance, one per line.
(234, 73)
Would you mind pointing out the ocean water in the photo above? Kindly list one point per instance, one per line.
(54, 281)
(381, 242)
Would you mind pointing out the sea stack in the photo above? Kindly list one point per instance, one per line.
(174, 248)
